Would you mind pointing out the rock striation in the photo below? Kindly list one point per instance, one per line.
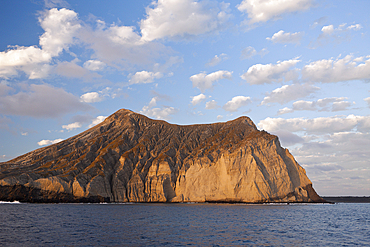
(131, 158)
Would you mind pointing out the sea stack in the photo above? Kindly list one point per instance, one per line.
(132, 158)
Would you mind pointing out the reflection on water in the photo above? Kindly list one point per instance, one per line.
(184, 224)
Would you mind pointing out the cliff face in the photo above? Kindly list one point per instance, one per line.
(131, 158)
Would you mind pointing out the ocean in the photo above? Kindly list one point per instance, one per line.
(343, 224)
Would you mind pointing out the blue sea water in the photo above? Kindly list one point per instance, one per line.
(184, 225)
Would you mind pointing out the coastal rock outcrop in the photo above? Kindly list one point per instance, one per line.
(131, 158)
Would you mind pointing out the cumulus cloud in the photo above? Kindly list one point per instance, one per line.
(235, 103)
(330, 31)
(159, 113)
(72, 126)
(211, 105)
(143, 77)
(183, 18)
(91, 97)
(216, 60)
(367, 100)
(97, 121)
(288, 93)
(286, 38)
(267, 73)
(49, 142)
(320, 125)
(30, 60)
(330, 70)
(327, 104)
(285, 110)
(264, 10)
(198, 98)
(120, 46)
(204, 81)
(60, 27)
(94, 65)
(41, 101)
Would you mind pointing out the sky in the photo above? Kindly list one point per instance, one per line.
(300, 69)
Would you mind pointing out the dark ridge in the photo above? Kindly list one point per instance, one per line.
(347, 199)
(33, 195)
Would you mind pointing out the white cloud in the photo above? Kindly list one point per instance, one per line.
(97, 121)
(94, 65)
(219, 117)
(345, 69)
(204, 81)
(327, 104)
(367, 100)
(288, 93)
(264, 10)
(30, 60)
(248, 52)
(48, 142)
(41, 101)
(236, 102)
(183, 18)
(338, 34)
(211, 105)
(216, 60)
(142, 77)
(285, 110)
(197, 99)
(120, 46)
(158, 113)
(268, 73)
(286, 38)
(327, 29)
(60, 28)
(355, 27)
(335, 32)
(320, 125)
(72, 126)
(91, 97)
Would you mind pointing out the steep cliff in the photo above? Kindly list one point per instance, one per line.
(131, 158)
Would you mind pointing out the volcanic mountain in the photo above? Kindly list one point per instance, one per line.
(131, 158)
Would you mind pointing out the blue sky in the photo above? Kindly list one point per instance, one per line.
(299, 69)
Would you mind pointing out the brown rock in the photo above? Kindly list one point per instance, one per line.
(131, 158)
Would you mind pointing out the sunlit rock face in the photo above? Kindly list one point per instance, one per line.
(131, 158)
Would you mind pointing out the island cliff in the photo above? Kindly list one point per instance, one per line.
(131, 158)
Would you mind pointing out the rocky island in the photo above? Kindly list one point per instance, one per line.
(131, 158)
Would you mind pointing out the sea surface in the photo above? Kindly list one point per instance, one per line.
(343, 224)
